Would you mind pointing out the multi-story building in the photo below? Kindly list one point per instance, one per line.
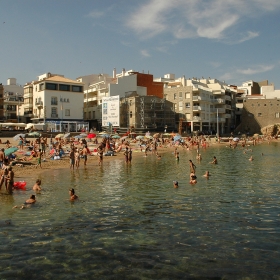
(56, 101)
(201, 104)
(122, 85)
(146, 113)
(13, 99)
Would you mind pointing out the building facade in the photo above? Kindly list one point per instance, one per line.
(1, 102)
(258, 113)
(56, 101)
(201, 104)
(146, 113)
(13, 99)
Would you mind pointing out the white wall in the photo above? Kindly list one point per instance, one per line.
(125, 84)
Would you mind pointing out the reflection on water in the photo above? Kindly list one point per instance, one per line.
(130, 223)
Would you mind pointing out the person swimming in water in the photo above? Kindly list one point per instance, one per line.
(207, 174)
(37, 186)
(72, 195)
(28, 202)
(175, 184)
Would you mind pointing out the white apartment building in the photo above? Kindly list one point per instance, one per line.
(201, 104)
(13, 99)
(56, 101)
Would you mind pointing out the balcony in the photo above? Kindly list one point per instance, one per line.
(219, 101)
(28, 105)
(228, 106)
(54, 115)
(200, 98)
(228, 98)
(27, 95)
(196, 119)
(219, 91)
(28, 113)
(197, 108)
(227, 116)
(221, 120)
(39, 104)
(221, 110)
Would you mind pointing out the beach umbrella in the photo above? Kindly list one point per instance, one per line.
(16, 137)
(105, 135)
(139, 137)
(91, 135)
(103, 132)
(156, 135)
(34, 134)
(177, 137)
(236, 139)
(116, 137)
(83, 135)
(78, 136)
(166, 134)
(60, 135)
(66, 135)
(10, 151)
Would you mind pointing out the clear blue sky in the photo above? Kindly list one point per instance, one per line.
(231, 40)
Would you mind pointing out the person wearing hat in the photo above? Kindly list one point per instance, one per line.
(72, 194)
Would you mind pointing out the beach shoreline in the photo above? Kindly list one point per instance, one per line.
(31, 173)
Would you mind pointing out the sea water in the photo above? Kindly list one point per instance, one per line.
(130, 223)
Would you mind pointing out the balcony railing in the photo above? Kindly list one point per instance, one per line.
(197, 108)
(28, 113)
(39, 103)
(196, 118)
(54, 115)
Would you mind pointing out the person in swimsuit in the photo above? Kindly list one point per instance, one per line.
(126, 154)
(100, 155)
(28, 202)
(10, 180)
(72, 194)
(77, 158)
(72, 158)
(214, 161)
(4, 174)
(37, 186)
(129, 156)
(84, 152)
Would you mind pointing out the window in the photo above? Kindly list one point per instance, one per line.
(180, 95)
(77, 88)
(188, 95)
(41, 86)
(53, 100)
(259, 114)
(180, 105)
(89, 114)
(277, 115)
(67, 99)
(188, 105)
(130, 114)
(67, 112)
(175, 96)
(54, 112)
(130, 102)
(51, 86)
(64, 87)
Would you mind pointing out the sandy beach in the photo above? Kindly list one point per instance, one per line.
(31, 173)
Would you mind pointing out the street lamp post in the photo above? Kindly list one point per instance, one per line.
(17, 95)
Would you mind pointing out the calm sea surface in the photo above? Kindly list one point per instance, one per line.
(130, 223)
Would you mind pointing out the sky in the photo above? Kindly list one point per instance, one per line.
(230, 40)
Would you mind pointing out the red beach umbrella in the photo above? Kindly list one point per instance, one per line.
(91, 135)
